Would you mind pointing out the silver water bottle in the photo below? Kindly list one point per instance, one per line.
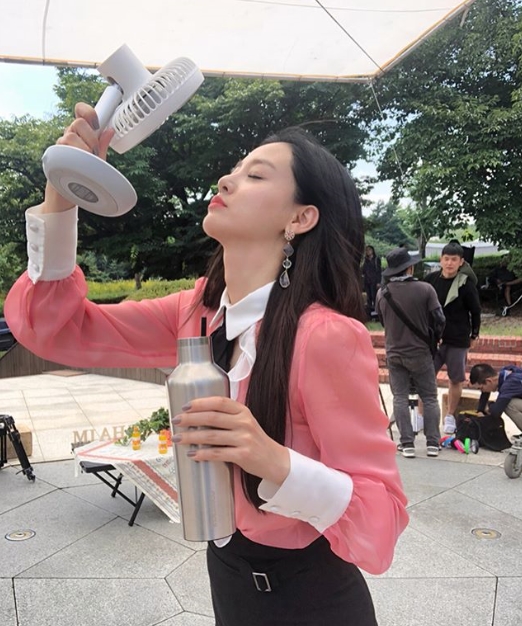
(205, 488)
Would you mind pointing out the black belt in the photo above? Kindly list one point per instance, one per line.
(286, 562)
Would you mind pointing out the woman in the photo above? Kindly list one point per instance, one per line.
(317, 490)
(371, 271)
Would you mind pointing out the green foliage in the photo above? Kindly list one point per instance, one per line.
(100, 268)
(453, 116)
(159, 420)
(418, 219)
(10, 266)
(177, 168)
(116, 291)
(160, 288)
(22, 143)
(515, 261)
(385, 225)
(77, 86)
(110, 292)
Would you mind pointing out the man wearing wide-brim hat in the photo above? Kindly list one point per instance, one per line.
(411, 313)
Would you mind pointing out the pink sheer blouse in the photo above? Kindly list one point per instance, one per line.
(335, 415)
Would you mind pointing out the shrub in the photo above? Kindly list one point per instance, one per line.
(116, 291)
(100, 268)
(111, 292)
(158, 420)
(10, 266)
(160, 288)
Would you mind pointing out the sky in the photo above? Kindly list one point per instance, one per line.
(28, 90)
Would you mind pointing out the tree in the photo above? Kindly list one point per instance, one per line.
(453, 114)
(175, 170)
(385, 225)
(418, 219)
(10, 266)
(22, 143)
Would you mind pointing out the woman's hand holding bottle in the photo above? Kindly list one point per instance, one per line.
(227, 431)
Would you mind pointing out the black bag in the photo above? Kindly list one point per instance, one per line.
(489, 431)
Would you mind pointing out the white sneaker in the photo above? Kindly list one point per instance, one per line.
(407, 450)
(450, 425)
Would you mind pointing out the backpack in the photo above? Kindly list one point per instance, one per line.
(488, 430)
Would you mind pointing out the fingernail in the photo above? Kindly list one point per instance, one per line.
(95, 123)
(192, 453)
(186, 407)
(176, 420)
(176, 438)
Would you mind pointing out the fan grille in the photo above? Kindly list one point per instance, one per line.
(149, 98)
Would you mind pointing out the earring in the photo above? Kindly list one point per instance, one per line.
(288, 250)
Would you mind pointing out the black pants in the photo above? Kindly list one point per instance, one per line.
(256, 585)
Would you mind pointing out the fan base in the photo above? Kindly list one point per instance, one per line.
(88, 181)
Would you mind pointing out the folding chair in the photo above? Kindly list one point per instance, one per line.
(104, 472)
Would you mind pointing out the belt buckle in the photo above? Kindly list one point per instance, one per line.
(261, 581)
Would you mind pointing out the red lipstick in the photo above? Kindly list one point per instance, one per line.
(217, 201)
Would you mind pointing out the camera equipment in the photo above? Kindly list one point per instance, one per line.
(8, 429)
(413, 405)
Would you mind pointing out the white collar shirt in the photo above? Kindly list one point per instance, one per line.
(242, 319)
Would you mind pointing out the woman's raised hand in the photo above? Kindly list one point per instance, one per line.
(233, 435)
(84, 134)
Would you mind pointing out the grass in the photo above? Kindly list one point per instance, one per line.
(116, 291)
(493, 326)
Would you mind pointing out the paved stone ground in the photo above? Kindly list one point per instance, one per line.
(86, 567)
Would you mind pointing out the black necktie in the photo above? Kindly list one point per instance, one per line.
(221, 347)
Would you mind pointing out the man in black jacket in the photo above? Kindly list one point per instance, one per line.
(461, 305)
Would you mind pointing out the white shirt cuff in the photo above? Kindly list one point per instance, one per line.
(312, 492)
(51, 243)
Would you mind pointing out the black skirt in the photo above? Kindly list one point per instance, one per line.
(256, 585)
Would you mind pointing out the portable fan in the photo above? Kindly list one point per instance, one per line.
(134, 104)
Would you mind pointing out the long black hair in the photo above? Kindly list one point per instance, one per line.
(325, 270)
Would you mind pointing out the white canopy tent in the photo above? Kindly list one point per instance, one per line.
(333, 40)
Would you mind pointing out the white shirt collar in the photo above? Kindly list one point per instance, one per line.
(243, 314)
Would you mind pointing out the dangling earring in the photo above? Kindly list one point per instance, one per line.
(288, 250)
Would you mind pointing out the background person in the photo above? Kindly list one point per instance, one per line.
(407, 355)
(459, 299)
(317, 490)
(371, 271)
(466, 268)
(504, 278)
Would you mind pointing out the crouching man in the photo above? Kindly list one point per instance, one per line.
(508, 383)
